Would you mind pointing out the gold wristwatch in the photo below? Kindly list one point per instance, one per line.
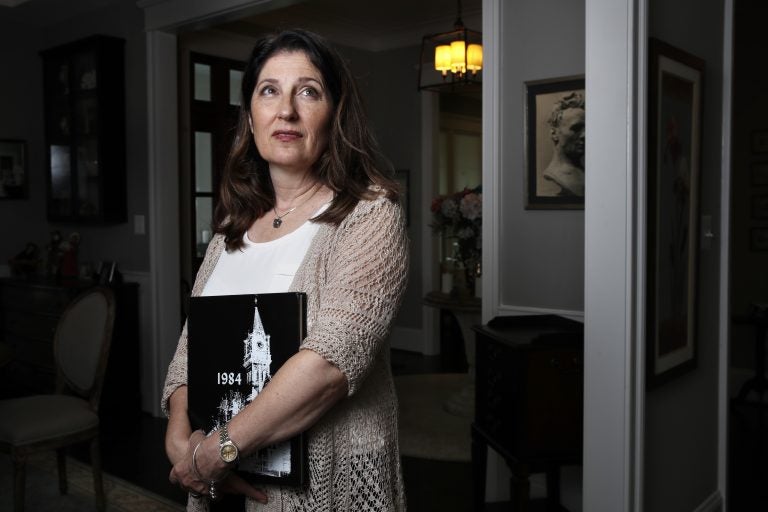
(228, 450)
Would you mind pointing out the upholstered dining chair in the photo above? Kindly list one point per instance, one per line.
(53, 422)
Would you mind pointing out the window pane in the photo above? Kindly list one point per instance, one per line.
(235, 79)
(202, 82)
(203, 162)
(60, 172)
(61, 191)
(88, 200)
(203, 211)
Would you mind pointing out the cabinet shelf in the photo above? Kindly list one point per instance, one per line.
(84, 84)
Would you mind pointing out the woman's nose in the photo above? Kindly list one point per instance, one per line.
(287, 109)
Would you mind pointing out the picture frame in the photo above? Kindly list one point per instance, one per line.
(760, 141)
(554, 143)
(14, 176)
(760, 206)
(759, 174)
(674, 146)
(758, 239)
(403, 178)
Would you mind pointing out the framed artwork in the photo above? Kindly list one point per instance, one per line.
(758, 239)
(759, 173)
(554, 143)
(14, 177)
(402, 176)
(760, 206)
(674, 145)
(760, 141)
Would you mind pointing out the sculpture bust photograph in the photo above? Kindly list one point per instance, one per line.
(564, 174)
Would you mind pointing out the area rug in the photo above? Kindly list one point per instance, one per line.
(427, 430)
(42, 492)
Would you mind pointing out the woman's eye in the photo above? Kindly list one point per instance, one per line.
(309, 92)
(267, 90)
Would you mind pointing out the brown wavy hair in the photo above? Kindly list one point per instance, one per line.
(349, 166)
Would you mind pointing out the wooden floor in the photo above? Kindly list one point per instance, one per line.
(133, 450)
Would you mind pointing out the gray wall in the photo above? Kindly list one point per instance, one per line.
(541, 252)
(395, 108)
(21, 104)
(681, 438)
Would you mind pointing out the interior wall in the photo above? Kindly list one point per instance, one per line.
(395, 111)
(681, 416)
(21, 102)
(541, 251)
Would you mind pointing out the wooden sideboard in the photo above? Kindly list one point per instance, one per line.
(528, 401)
(29, 312)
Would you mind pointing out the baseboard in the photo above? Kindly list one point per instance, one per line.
(507, 309)
(714, 503)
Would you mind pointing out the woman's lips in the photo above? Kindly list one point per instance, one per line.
(286, 135)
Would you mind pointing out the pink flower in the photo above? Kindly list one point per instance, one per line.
(471, 206)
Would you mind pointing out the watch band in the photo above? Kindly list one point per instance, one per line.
(228, 450)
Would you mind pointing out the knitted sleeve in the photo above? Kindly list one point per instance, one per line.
(366, 275)
(177, 369)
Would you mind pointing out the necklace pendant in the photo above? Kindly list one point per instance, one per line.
(277, 222)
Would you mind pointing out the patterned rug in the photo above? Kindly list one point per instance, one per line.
(43, 489)
(427, 430)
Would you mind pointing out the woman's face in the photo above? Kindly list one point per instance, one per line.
(290, 112)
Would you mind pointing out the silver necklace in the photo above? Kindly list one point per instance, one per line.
(278, 220)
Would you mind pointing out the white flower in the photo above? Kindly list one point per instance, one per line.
(465, 233)
(471, 206)
(450, 209)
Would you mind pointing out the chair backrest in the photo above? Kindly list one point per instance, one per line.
(82, 341)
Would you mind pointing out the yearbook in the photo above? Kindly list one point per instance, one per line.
(236, 343)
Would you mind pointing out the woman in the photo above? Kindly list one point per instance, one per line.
(304, 207)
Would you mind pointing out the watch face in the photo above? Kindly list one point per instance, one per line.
(229, 452)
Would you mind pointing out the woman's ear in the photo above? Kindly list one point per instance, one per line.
(250, 124)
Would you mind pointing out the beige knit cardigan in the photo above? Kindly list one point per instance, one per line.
(354, 275)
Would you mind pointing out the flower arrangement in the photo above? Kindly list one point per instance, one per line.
(460, 216)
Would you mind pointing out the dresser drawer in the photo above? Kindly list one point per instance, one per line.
(40, 300)
(25, 324)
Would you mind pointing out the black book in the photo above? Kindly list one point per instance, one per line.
(236, 344)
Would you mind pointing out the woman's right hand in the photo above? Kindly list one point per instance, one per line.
(235, 484)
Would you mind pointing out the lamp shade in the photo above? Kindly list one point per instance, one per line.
(443, 58)
(475, 57)
(458, 56)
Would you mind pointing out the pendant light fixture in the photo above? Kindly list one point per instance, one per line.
(451, 60)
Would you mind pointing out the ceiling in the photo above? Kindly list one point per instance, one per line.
(368, 25)
(42, 13)
(371, 26)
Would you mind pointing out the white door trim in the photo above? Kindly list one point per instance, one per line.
(613, 358)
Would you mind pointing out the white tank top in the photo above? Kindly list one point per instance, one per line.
(266, 267)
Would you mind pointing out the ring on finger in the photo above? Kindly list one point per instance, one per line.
(212, 491)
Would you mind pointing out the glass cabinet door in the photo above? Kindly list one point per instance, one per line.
(85, 130)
